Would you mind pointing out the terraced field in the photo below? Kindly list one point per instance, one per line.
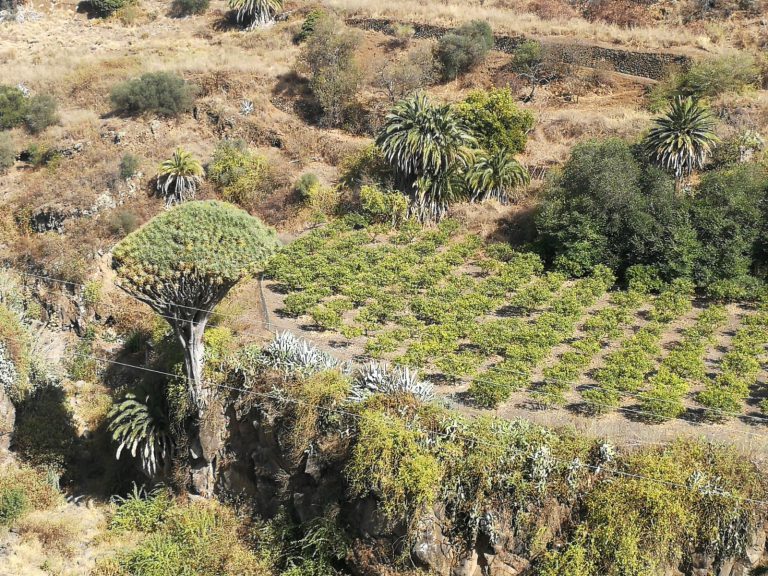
(491, 327)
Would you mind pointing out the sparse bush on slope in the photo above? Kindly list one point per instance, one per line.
(163, 93)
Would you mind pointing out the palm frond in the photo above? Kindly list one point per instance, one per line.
(683, 138)
(178, 177)
(496, 176)
(255, 12)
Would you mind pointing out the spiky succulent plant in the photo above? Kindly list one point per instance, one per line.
(290, 354)
(381, 378)
(178, 177)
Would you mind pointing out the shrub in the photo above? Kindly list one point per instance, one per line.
(240, 176)
(305, 183)
(708, 79)
(189, 7)
(108, 7)
(178, 177)
(606, 207)
(495, 121)
(159, 92)
(24, 489)
(7, 153)
(12, 107)
(129, 166)
(40, 113)
(383, 206)
(335, 76)
(123, 222)
(141, 510)
(309, 25)
(462, 50)
(405, 75)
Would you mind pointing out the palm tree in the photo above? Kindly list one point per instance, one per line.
(142, 428)
(683, 138)
(428, 148)
(255, 12)
(178, 177)
(495, 176)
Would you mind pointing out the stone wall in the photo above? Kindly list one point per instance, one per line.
(644, 64)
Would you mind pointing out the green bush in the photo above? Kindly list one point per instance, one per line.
(24, 489)
(159, 92)
(383, 206)
(607, 207)
(463, 49)
(305, 183)
(40, 113)
(240, 176)
(708, 79)
(129, 166)
(189, 7)
(495, 121)
(7, 153)
(106, 8)
(12, 107)
(13, 503)
(309, 25)
(141, 511)
(35, 112)
(335, 77)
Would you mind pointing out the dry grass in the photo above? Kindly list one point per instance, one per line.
(55, 534)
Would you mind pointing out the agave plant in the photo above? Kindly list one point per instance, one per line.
(140, 425)
(380, 378)
(428, 147)
(178, 177)
(255, 12)
(683, 138)
(292, 355)
(495, 176)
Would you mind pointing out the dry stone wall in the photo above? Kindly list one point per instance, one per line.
(651, 65)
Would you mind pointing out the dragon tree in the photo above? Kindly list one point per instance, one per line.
(183, 263)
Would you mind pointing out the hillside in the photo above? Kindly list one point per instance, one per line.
(344, 288)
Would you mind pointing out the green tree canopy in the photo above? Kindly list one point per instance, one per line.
(184, 261)
(495, 120)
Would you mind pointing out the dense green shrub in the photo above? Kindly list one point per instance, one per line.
(189, 7)
(12, 107)
(305, 183)
(606, 207)
(240, 176)
(7, 153)
(460, 51)
(159, 92)
(383, 206)
(495, 121)
(106, 8)
(728, 214)
(36, 112)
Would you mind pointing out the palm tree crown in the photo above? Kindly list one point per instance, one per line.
(255, 12)
(495, 176)
(683, 138)
(179, 176)
(429, 148)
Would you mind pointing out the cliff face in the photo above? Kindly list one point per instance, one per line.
(261, 466)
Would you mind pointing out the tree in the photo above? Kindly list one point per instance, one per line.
(182, 263)
(335, 76)
(255, 12)
(682, 139)
(495, 121)
(530, 63)
(405, 75)
(429, 149)
(178, 177)
(495, 175)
